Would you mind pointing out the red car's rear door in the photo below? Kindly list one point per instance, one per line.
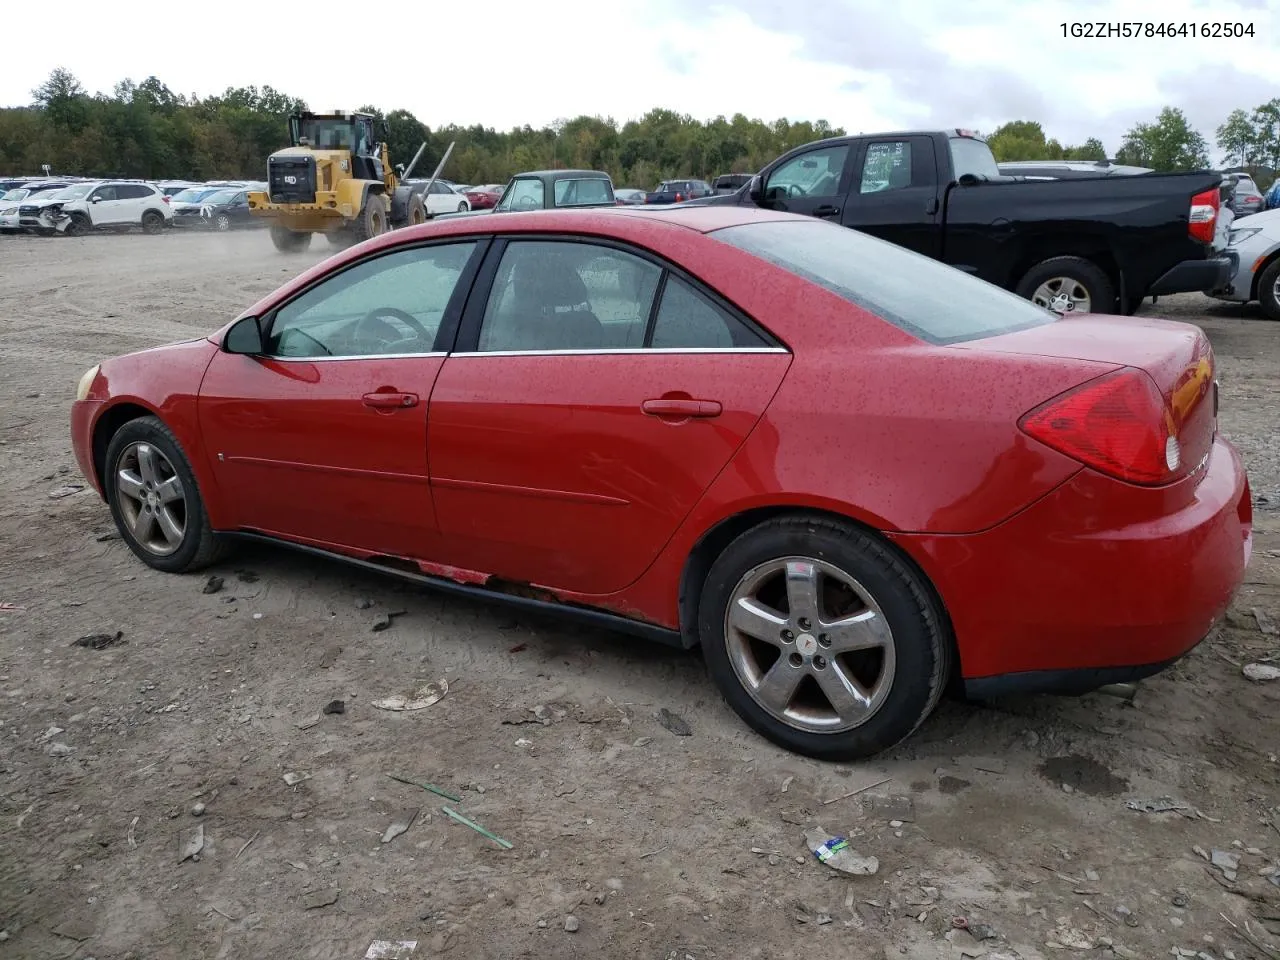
(323, 438)
(578, 421)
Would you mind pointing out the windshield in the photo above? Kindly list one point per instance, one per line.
(192, 194)
(17, 193)
(328, 134)
(918, 294)
(973, 156)
(73, 193)
(222, 196)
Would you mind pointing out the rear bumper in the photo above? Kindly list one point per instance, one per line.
(1191, 276)
(1097, 582)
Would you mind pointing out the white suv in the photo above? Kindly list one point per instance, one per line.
(113, 204)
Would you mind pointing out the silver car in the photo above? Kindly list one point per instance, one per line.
(1255, 240)
(1247, 198)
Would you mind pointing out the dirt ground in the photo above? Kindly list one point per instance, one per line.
(661, 846)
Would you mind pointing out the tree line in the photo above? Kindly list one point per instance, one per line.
(149, 131)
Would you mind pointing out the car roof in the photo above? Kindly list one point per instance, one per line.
(562, 175)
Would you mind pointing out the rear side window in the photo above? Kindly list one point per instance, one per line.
(577, 193)
(687, 319)
(915, 293)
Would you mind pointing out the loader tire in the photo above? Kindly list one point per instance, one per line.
(373, 218)
(289, 241)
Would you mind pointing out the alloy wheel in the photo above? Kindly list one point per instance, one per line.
(1063, 295)
(810, 644)
(151, 498)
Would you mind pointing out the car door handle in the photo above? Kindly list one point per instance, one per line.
(676, 409)
(826, 210)
(390, 401)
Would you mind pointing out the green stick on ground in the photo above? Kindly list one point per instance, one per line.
(426, 786)
(505, 844)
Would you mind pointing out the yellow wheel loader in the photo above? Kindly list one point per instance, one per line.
(336, 178)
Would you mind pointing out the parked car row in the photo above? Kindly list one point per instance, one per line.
(73, 206)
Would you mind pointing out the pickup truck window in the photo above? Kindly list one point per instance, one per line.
(524, 193)
(915, 293)
(813, 174)
(577, 193)
(887, 166)
(973, 156)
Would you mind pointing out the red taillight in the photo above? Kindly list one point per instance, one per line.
(1118, 424)
(1203, 219)
(165, 198)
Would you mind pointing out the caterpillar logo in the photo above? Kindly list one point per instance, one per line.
(291, 179)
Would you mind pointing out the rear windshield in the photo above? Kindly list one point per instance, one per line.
(926, 298)
(973, 156)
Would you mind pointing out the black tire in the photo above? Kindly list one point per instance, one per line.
(152, 222)
(199, 545)
(1102, 295)
(415, 212)
(1269, 291)
(289, 241)
(462, 207)
(79, 226)
(341, 239)
(373, 218)
(920, 641)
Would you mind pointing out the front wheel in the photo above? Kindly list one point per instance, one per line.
(1269, 291)
(289, 241)
(154, 499)
(78, 226)
(222, 222)
(822, 639)
(462, 207)
(372, 220)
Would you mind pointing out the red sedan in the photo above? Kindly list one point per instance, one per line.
(485, 196)
(851, 474)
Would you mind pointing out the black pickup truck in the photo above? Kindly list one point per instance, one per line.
(1089, 245)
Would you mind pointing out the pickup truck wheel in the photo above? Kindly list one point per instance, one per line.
(1068, 285)
(1269, 291)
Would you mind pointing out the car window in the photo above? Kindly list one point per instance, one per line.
(812, 174)
(886, 166)
(688, 318)
(550, 295)
(972, 156)
(388, 305)
(133, 191)
(104, 193)
(918, 294)
(574, 193)
(526, 193)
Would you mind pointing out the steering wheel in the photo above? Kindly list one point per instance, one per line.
(358, 333)
(795, 190)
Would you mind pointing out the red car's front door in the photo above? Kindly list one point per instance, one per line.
(564, 451)
(323, 438)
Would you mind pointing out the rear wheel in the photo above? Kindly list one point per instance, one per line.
(1068, 285)
(154, 499)
(152, 222)
(289, 241)
(822, 639)
(1269, 291)
(373, 218)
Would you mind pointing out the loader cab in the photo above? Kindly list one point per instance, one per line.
(351, 132)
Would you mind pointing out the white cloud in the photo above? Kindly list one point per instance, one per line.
(861, 65)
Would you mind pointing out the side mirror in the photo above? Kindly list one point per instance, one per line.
(245, 338)
(755, 190)
(969, 180)
(95, 199)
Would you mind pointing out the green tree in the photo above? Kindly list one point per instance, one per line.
(1266, 124)
(1237, 137)
(1169, 144)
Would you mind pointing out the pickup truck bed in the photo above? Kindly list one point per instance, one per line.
(1088, 245)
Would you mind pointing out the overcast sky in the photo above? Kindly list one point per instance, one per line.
(862, 64)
